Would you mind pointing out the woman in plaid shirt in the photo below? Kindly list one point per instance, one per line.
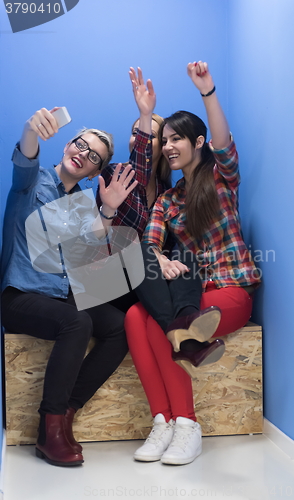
(152, 171)
(204, 293)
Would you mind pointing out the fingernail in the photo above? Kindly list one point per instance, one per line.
(196, 64)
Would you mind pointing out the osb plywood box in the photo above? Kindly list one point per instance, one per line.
(228, 394)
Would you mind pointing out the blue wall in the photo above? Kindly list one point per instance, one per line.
(261, 111)
(81, 60)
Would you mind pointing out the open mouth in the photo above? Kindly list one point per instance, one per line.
(77, 162)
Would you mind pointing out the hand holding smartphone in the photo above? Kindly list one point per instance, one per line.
(62, 116)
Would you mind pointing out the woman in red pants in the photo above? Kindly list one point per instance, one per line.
(206, 292)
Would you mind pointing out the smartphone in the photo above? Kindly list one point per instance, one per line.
(62, 116)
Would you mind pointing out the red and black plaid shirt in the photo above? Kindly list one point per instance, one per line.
(134, 211)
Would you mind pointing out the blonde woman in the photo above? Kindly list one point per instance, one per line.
(41, 304)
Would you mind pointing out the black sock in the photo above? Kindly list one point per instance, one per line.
(193, 345)
(42, 430)
(186, 311)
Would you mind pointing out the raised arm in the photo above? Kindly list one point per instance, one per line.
(42, 124)
(145, 98)
(218, 125)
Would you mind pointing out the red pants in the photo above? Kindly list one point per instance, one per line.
(235, 304)
(167, 386)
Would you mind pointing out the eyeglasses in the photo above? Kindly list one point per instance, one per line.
(93, 156)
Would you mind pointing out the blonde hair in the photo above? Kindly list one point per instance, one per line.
(104, 137)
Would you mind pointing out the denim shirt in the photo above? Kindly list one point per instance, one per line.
(35, 189)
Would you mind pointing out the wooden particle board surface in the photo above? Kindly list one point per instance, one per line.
(227, 394)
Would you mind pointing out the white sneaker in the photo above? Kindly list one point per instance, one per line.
(186, 443)
(157, 441)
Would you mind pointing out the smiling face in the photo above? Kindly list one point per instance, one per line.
(156, 150)
(76, 165)
(179, 152)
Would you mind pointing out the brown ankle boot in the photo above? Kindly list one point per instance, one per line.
(53, 445)
(68, 420)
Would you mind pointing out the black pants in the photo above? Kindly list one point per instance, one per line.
(164, 299)
(70, 380)
(126, 301)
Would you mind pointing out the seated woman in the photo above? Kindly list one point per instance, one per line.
(151, 170)
(205, 293)
(41, 304)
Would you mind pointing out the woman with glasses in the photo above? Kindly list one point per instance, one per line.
(47, 205)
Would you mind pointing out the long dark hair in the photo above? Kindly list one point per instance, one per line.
(202, 202)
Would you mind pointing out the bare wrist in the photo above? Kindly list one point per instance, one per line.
(145, 123)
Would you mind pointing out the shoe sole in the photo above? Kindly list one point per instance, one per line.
(42, 455)
(205, 326)
(175, 461)
(212, 358)
(147, 459)
(201, 329)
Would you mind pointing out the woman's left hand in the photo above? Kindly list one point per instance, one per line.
(145, 96)
(119, 188)
(200, 76)
(218, 125)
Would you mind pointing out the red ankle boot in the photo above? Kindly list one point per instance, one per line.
(53, 445)
(68, 420)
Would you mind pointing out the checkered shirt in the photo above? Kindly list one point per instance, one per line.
(221, 253)
(134, 211)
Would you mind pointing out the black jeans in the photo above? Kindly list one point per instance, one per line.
(126, 301)
(164, 299)
(70, 379)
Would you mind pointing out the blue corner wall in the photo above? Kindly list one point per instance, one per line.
(261, 112)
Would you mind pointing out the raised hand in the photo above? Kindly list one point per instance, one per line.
(116, 192)
(144, 94)
(200, 76)
(218, 125)
(43, 123)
